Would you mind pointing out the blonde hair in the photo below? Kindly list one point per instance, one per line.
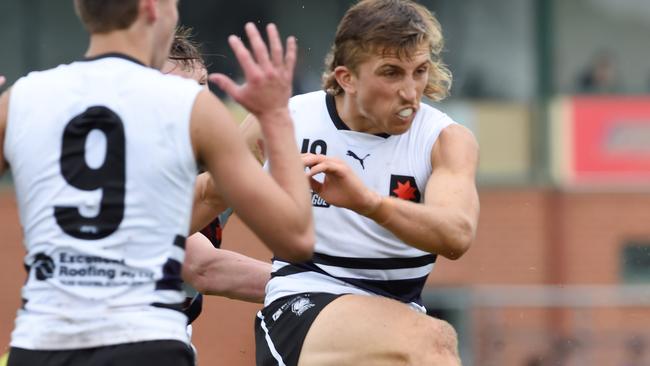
(388, 27)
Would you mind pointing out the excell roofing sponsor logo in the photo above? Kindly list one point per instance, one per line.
(84, 270)
(87, 271)
(86, 259)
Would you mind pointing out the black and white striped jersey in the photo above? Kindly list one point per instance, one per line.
(353, 254)
(104, 171)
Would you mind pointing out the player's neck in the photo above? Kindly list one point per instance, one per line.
(348, 111)
(124, 42)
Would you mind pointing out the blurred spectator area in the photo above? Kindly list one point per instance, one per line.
(509, 59)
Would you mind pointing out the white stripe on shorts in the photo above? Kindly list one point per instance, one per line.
(269, 342)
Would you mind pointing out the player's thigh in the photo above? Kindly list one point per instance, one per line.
(363, 330)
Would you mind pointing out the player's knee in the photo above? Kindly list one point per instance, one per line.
(439, 340)
(447, 338)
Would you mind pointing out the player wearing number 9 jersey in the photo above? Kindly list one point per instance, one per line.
(104, 155)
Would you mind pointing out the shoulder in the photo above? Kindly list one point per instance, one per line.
(456, 146)
(427, 127)
(175, 80)
(313, 98)
(168, 83)
(433, 117)
(43, 77)
(458, 134)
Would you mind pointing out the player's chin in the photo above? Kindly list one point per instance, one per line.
(399, 126)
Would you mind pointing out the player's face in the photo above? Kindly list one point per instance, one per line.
(388, 91)
(197, 72)
(165, 27)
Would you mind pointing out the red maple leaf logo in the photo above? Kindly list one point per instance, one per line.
(405, 191)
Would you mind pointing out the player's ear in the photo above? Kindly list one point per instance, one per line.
(345, 79)
(149, 9)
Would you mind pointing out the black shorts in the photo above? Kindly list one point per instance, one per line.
(281, 327)
(159, 353)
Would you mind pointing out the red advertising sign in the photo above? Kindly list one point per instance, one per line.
(611, 139)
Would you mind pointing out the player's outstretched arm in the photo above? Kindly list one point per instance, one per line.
(221, 272)
(270, 105)
(277, 206)
(445, 224)
(208, 202)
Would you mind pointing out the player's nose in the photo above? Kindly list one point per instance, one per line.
(408, 91)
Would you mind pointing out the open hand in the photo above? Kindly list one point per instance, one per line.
(269, 75)
(341, 187)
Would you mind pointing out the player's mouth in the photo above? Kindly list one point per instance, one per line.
(406, 113)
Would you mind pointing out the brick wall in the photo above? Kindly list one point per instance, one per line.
(525, 237)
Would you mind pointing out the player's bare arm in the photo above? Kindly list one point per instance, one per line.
(4, 113)
(250, 128)
(264, 202)
(208, 202)
(224, 273)
(445, 224)
(275, 122)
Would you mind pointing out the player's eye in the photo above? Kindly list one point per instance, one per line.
(390, 73)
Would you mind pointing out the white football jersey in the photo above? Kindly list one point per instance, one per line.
(104, 170)
(353, 254)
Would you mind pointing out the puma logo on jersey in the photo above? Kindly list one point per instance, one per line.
(318, 201)
(354, 156)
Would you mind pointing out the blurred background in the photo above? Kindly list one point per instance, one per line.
(557, 93)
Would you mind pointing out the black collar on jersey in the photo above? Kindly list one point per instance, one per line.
(338, 122)
(113, 54)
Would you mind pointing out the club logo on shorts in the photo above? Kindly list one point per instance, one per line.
(301, 305)
(404, 187)
(277, 314)
(317, 201)
(43, 266)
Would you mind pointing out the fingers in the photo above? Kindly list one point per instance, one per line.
(319, 168)
(243, 56)
(226, 84)
(257, 44)
(267, 71)
(290, 57)
(322, 164)
(276, 45)
(2, 80)
(315, 185)
(309, 160)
